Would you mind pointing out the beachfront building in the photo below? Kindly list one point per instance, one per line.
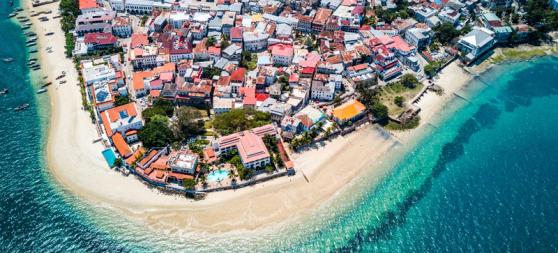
(250, 146)
(96, 71)
(349, 112)
(94, 21)
(476, 42)
(99, 41)
(102, 96)
(183, 161)
(121, 119)
(86, 6)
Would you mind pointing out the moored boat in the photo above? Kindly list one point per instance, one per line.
(21, 107)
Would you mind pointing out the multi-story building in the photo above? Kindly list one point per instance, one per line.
(322, 91)
(183, 161)
(255, 41)
(121, 27)
(95, 21)
(320, 19)
(250, 146)
(475, 43)
(282, 54)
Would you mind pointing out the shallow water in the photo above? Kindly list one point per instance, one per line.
(484, 179)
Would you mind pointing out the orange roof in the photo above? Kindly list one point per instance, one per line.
(121, 145)
(349, 110)
(87, 4)
(138, 79)
(168, 67)
(106, 124)
(115, 113)
(137, 154)
(209, 155)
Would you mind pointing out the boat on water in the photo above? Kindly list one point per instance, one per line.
(9, 59)
(28, 23)
(42, 90)
(25, 27)
(32, 51)
(21, 107)
(11, 15)
(18, 9)
(4, 91)
(31, 44)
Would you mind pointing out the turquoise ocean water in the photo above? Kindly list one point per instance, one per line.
(483, 179)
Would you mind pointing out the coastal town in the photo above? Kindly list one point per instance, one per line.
(194, 97)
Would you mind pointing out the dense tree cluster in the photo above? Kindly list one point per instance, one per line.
(239, 120)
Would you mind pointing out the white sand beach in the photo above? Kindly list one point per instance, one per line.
(78, 166)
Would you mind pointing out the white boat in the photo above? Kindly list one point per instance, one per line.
(42, 90)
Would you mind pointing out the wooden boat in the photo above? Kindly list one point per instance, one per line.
(21, 107)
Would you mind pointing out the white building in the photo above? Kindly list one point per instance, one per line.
(93, 73)
(254, 41)
(183, 162)
(121, 27)
(322, 92)
(478, 41)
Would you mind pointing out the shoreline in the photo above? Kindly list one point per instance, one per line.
(77, 165)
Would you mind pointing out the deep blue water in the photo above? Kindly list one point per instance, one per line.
(483, 180)
(34, 214)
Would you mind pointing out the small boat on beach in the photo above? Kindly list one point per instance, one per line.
(25, 27)
(42, 90)
(21, 107)
(60, 77)
(19, 9)
(49, 33)
(12, 15)
(63, 82)
(9, 59)
(4, 91)
(31, 44)
(46, 84)
(32, 51)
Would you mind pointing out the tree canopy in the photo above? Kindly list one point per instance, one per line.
(445, 33)
(239, 120)
(409, 81)
(156, 132)
(188, 123)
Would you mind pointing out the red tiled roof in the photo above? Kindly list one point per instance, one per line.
(238, 75)
(138, 40)
(100, 38)
(236, 33)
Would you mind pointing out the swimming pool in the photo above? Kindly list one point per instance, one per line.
(217, 175)
(110, 157)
